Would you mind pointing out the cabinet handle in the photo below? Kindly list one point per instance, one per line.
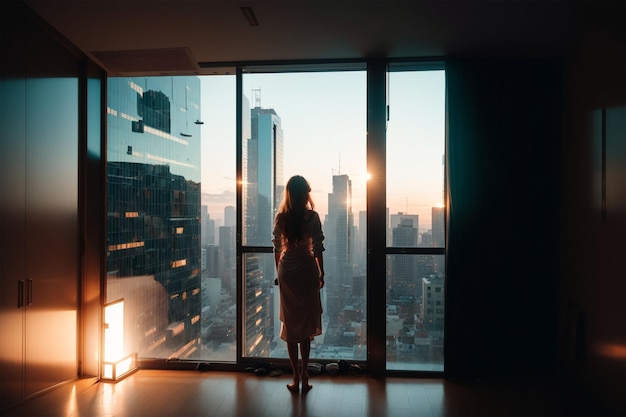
(29, 299)
(20, 293)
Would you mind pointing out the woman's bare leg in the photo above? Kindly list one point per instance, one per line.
(305, 350)
(292, 348)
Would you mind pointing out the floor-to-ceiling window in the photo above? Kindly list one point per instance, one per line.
(153, 214)
(193, 260)
(311, 124)
(218, 219)
(415, 152)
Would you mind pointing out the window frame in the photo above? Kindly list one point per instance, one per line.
(377, 71)
(420, 65)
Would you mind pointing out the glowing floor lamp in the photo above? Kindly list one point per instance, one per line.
(116, 364)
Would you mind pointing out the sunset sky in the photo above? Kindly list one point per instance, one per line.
(323, 118)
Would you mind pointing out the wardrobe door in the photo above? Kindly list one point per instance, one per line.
(12, 240)
(52, 256)
(39, 256)
(12, 203)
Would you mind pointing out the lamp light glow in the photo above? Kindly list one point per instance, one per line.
(115, 364)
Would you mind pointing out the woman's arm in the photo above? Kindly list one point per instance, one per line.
(277, 241)
(320, 264)
(276, 258)
(317, 237)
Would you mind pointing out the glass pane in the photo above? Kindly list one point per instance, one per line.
(218, 219)
(311, 124)
(415, 159)
(156, 261)
(415, 195)
(415, 312)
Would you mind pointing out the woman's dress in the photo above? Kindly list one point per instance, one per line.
(298, 279)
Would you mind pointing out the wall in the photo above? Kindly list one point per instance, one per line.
(593, 239)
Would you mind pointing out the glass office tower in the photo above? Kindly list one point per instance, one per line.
(153, 217)
(264, 186)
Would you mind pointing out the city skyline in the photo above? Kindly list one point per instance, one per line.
(158, 245)
(337, 146)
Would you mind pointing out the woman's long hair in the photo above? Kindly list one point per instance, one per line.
(296, 201)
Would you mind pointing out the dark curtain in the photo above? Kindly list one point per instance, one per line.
(504, 127)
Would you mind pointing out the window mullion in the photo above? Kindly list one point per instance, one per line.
(376, 209)
(239, 211)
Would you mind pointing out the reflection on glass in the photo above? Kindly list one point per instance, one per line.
(261, 305)
(416, 219)
(171, 242)
(153, 215)
(310, 124)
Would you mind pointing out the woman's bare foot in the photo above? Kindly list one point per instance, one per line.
(306, 387)
(294, 386)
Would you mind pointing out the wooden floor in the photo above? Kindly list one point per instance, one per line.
(154, 393)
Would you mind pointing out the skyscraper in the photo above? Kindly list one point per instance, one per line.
(259, 325)
(264, 176)
(230, 218)
(338, 229)
(227, 254)
(404, 282)
(208, 227)
(433, 305)
(154, 247)
(361, 242)
(402, 218)
(264, 186)
(439, 232)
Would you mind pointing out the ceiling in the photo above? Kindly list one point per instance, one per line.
(206, 37)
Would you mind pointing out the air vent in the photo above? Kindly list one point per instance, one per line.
(144, 61)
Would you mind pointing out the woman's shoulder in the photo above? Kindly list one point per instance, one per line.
(279, 217)
(310, 215)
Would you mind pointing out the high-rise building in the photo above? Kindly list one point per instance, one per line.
(397, 219)
(210, 262)
(264, 176)
(208, 227)
(154, 247)
(230, 216)
(259, 300)
(403, 280)
(263, 191)
(433, 304)
(439, 230)
(227, 261)
(361, 242)
(338, 230)
(211, 297)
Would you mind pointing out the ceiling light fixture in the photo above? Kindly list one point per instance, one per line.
(250, 16)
